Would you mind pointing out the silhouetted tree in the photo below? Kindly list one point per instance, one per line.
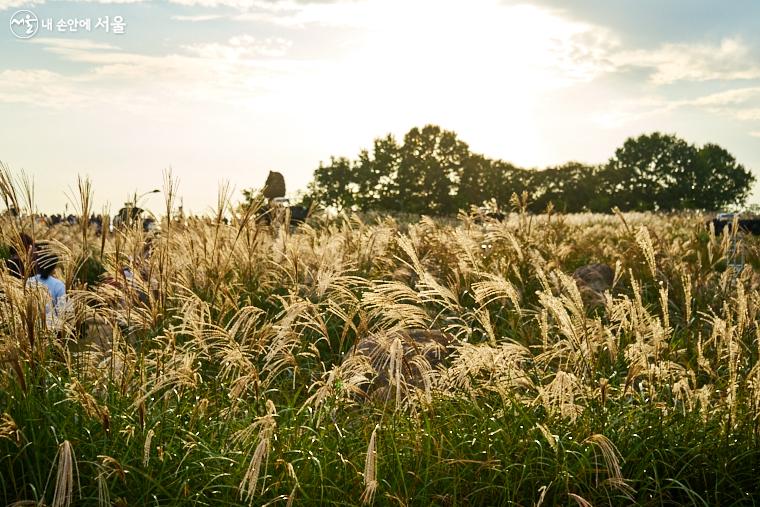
(474, 182)
(434, 172)
(429, 170)
(662, 172)
(646, 172)
(572, 187)
(334, 184)
(719, 180)
(376, 175)
(506, 179)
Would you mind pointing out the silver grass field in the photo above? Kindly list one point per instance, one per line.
(227, 371)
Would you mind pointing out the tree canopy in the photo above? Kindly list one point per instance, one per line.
(433, 172)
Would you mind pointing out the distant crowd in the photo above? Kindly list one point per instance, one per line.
(58, 218)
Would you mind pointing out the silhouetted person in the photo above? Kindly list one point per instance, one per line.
(16, 259)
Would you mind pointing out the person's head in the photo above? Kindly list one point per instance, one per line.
(25, 242)
(19, 254)
(45, 261)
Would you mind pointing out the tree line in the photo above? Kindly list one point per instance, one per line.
(432, 171)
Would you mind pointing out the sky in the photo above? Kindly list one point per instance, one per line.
(223, 91)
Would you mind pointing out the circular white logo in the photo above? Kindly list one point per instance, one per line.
(24, 24)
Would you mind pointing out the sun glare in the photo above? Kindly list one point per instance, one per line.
(482, 66)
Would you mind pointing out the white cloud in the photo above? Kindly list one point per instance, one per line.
(196, 19)
(41, 88)
(241, 47)
(623, 112)
(749, 114)
(15, 4)
(509, 51)
(671, 63)
(62, 45)
(288, 13)
(739, 104)
(232, 72)
(735, 97)
(242, 5)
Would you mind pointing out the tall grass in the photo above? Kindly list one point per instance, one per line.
(224, 372)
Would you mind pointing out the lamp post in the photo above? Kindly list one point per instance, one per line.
(129, 206)
(138, 197)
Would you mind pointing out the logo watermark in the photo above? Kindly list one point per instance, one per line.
(25, 24)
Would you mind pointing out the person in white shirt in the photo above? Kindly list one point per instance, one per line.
(45, 262)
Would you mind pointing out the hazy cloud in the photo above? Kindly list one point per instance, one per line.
(729, 60)
(739, 104)
(228, 72)
(195, 19)
(748, 114)
(548, 51)
(241, 47)
(15, 4)
(735, 97)
(242, 5)
(61, 45)
(40, 88)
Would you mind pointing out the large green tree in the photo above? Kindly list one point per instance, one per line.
(474, 188)
(644, 173)
(376, 175)
(434, 172)
(572, 187)
(334, 184)
(505, 179)
(429, 170)
(719, 181)
(663, 172)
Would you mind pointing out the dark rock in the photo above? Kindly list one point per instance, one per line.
(421, 351)
(592, 281)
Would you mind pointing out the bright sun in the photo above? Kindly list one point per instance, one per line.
(480, 67)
